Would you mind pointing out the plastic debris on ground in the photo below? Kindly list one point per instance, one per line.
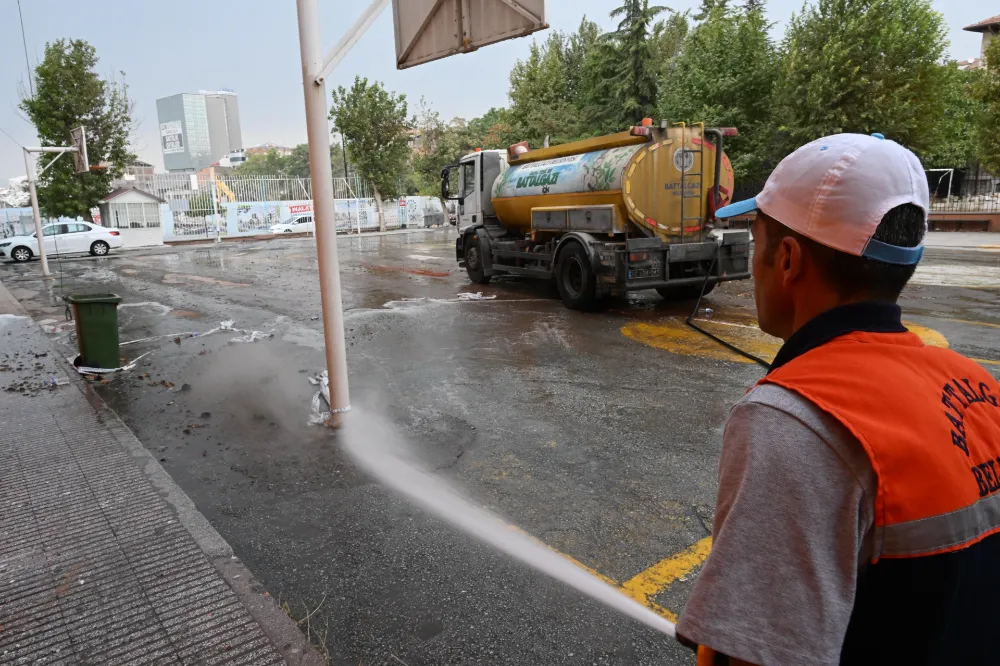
(477, 296)
(85, 370)
(228, 325)
(321, 400)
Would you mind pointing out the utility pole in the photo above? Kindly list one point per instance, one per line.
(29, 165)
(321, 173)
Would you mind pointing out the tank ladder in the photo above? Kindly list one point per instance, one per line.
(692, 203)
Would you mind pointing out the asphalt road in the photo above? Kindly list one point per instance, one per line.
(596, 433)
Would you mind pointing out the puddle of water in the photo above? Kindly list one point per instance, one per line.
(150, 305)
(179, 278)
(400, 269)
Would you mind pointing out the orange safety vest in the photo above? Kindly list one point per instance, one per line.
(929, 420)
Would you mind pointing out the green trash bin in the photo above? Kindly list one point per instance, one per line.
(96, 317)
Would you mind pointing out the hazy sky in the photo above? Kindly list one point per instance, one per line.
(251, 46)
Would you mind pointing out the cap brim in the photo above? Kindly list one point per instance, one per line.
(738, 208)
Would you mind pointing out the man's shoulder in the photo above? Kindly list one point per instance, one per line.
(773, 413)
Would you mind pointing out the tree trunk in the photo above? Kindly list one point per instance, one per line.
(378, 206)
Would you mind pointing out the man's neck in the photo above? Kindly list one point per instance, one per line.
(809, 307)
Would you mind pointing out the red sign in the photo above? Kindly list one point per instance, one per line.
(303, 208)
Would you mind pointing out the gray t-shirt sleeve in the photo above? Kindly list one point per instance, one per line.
(792, 530)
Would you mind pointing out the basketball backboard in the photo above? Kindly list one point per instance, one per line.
(428, 30)
(78, 139)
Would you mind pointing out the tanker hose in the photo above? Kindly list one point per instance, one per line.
(690, 320)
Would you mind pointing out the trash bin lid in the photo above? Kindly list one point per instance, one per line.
(111, 299)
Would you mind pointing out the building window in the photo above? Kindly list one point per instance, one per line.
(135, 215)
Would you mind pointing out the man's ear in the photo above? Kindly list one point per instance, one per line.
(790, 259)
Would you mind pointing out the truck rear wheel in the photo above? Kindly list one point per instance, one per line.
(474, 261)
(688, 292)
(575, 278)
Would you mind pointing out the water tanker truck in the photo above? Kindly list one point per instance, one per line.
(602, 216)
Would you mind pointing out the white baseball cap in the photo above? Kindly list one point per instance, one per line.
(837, 189)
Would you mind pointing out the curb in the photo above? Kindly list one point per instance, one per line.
(275, 623)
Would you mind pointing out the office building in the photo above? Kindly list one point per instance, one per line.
(198, 129)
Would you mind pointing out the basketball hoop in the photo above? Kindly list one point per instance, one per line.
(78, 139)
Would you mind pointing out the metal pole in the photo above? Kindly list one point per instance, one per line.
(321, 173)
(31, 85)
(343, 147)
(215, 204)
(29, 165)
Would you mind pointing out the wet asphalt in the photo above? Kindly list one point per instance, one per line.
(601, 444)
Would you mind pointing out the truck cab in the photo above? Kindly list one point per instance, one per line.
(470, 184)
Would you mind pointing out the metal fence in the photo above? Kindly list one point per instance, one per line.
(201, 204)
(952, 191)
(961, 191)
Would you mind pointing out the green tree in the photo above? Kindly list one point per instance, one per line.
(987, 91)
(957, 141)
(68, 94)
(374, 124)
(863, 66)
(296, 165)
(622, 72)
(440, 144)
(708, 6)
(541, 106)
(577, 48)
(725, 77)
(263, 164)
(667, 39)
(492, 130)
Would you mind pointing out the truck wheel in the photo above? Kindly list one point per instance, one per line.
(688, 292)
(474, 261)
(575, 279)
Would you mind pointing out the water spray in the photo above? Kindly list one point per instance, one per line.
(376, 446)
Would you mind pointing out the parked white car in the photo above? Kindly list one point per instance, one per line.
(296, 225)
(63, 238)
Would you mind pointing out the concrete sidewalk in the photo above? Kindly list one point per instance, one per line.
(103, 559)
(963, 240)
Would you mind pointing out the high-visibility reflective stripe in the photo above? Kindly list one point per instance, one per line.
(938, 534)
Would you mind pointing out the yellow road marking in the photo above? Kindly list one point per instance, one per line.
(986, 361)
(930, 337)
(674, 336)
(647, 584)
(969, 321)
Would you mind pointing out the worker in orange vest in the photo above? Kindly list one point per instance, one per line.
(858, 515)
